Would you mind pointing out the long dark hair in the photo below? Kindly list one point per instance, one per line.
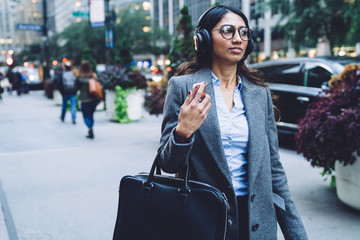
(208, 21)
(85, 69)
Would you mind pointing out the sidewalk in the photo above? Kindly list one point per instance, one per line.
(60, 185)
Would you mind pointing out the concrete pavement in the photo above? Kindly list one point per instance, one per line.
(56, 184)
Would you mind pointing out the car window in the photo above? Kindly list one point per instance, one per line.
(316, 74)
(284, 73)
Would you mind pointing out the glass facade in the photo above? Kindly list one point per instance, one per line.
(196, 8)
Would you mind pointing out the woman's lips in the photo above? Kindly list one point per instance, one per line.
(236, 50)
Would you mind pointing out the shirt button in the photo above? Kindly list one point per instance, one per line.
(229, 223)
(255, 227)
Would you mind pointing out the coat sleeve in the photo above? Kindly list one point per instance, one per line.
(173, 155)
(287, 214)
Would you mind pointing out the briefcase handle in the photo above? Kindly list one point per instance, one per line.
(156, 165)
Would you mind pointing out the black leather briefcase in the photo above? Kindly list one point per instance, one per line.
(159, 207)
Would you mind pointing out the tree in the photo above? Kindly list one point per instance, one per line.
(308, 21)
(354, 14)
(161, 40)
(31, 53)
(130, 29)
(123, 52)
(71, 42)
(183, 46)
(87, 56)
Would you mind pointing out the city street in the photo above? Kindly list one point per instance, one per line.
(55, 184)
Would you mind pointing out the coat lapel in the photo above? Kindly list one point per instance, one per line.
(252, 102)
(210, 130)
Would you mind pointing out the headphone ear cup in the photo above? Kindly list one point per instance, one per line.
(203, 41)
(249, 48)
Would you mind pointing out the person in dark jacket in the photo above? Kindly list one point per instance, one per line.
(1, 88)
(88, 102)
(226, 132)
(67, 88)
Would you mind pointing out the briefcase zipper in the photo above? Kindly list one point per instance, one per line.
(226, 214)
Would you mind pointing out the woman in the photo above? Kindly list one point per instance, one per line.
(228, 136)
(88, 102)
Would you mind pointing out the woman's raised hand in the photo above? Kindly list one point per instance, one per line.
(192, 113)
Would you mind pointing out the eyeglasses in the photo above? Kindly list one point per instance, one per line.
(228, 32)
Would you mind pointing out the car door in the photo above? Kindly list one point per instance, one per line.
(286, 80)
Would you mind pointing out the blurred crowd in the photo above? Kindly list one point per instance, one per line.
(14, 80)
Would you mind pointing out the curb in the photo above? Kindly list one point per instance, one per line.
(7, 226)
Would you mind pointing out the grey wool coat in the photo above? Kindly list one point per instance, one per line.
(269, 199)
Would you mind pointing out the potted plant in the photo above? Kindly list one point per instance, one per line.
(155, 96)
(121, 84)
(329, 133)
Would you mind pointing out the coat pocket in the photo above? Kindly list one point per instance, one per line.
(279, 201)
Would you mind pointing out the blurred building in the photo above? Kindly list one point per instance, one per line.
(67, 12)
(21, 23)
(29, 12)
(8, 18)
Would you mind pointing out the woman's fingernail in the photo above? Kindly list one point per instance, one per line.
(189, 92)
(197, 86)
(204, 82)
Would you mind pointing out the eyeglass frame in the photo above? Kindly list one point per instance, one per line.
(238, 29)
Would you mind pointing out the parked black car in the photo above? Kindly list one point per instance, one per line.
(296, 82)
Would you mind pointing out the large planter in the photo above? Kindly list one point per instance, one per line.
(135, 104)
(348, 183)
(135, 101)
(57, 97)
(110, 104)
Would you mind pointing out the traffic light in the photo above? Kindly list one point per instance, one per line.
(9, 60)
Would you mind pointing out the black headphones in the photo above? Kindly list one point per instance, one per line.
(203, 42)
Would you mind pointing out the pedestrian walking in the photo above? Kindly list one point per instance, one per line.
(224, 130)
(11, 78)
(1, 88)
(19, 83)
(88, 102)
(67, 88)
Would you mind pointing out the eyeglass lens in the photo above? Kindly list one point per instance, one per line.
(228, 32)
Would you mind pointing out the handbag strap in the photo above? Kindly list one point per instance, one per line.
(156, 165)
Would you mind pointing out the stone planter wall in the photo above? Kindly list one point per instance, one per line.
(57, 97)
(348, 183)
(110, 104)
(135, 101)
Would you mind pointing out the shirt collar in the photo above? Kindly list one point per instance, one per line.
(216, 81)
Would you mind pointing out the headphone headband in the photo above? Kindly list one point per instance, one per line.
(200, 18)
(202, 37)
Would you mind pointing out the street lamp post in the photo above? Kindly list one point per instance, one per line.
(46, 42)
(109, 32)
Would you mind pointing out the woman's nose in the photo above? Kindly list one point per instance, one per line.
(237, 37)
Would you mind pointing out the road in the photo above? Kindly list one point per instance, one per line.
(59, 185)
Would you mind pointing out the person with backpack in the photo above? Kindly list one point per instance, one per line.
(67, 88)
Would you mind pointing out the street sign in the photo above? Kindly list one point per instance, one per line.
(109, 41)
(79, 14)
(29, 27)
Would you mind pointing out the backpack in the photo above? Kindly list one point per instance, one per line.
(68, 81)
